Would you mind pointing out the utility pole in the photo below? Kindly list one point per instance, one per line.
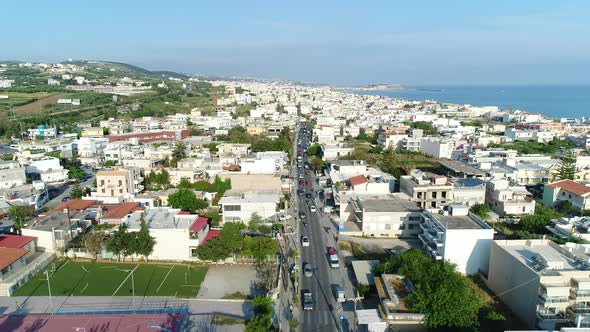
(49, 289)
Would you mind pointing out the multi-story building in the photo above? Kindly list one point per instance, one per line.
(546, 285)
(469, 191)
(239, 205)
(11, 174)
(458, 236)
(567, 191)
(437, 147)
(506, 199)
(414, 140)
(48, 169)
(430, 191)
(158, 136)
(122, 183)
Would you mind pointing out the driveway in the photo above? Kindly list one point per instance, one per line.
(226, 280)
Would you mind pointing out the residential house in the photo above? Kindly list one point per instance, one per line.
(577, 194)
(507, 199)
(48, 169)
(11, 174)
(238, 206)
(469, 191)
(118, 184)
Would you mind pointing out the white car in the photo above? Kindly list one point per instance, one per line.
(313, 209)
(305, 241)
(301, 175)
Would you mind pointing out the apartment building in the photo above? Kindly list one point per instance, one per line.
(380, 216)
(414, 140)
(458, 236)
(121, 183)
(332, 151)
(48, 169)
(507, 199)
(437, 147)
(238, 206)
(469, 191)
(11, 174)
(546, 285)
(567, 191)
(430, 191)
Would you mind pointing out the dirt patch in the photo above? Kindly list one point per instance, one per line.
(36, 107)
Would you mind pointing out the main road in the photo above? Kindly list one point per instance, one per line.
(326, 313)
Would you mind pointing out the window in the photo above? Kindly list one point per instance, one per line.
(444, 194)
(120, 191)
(387, 226)
(402, 226)
(102, 182)
(120, 182)
(232, 207)
(434, 194)
(414, 218)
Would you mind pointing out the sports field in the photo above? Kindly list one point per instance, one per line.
(114, 279)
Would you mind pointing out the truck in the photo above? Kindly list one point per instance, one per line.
(334, 263)
(307, 300)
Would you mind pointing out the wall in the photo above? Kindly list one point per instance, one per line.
(506, 273)
(468, 248)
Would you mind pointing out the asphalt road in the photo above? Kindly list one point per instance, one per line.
(65, 189)
(325, 315)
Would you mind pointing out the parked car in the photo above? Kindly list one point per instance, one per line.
(308, 183)
(307, 300)
(71, 182)
(301, 215)
(331, 250)
(339, 294)
(65, 199)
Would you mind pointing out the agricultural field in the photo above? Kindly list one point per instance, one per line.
(69, 278)
(16, 99)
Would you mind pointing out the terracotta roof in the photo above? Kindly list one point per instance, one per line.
(359, 179)
(571, 186)
(118, 211)
(74, 205)
(198, 224)
(10, 255)
(15, 241)
(210, 235)
(231, 168)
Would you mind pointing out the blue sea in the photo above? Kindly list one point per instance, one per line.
(552, 101)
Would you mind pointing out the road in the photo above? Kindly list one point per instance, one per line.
(327, 311)
(65, 189)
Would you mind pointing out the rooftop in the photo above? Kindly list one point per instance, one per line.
(387, 203)
(458, 222)
(571, 186)
(10, 255)
(363, 271)
(542, 256)
(468, 183)
(15, 241)
(74, 205)
(162, 218)
(460, 167)
(210, 235)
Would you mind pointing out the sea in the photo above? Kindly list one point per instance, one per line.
(552, 101)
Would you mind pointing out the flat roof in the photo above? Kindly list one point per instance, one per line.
(460, 167)
(363, 271)
(528, 254)
(162, 218)
(388, 203)
(57, 220)
(458, 222)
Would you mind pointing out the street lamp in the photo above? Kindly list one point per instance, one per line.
(67, 212)
(132, 285)
(49, 289)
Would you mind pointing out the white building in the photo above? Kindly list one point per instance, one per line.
(11, 174)
(469, 191)
(436, 147)
(543, 283)
(48, 168)
(459, 237)
(238, 206)
(506, 199)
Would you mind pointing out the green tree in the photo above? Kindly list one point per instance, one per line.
(566, 208)
(179, 152)
(145, 242)
(93, 243)
(115, 244)
(130, 244)
(314, 150)
(259, 247)
(231, 235)
(77, 192)
(443, 295)
(262, 320)
(19, 215)
(481, 210)
(186, 200)
(566, 167)
(255, 222)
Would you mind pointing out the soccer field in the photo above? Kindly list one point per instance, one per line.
(114, 279)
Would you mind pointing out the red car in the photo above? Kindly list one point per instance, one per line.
(300, 182)
(308, 172)
(331, 251)
(308, 183)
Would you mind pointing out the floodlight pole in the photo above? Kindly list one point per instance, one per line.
(49, 289)
(133, 289)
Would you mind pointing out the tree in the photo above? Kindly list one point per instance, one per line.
(443, 295)
(130, 244)
(179, 152)
(231, 235)
(145, 242)
(19, 215)
(93, 243)
(115, 243)
(266, 274)
(77, 192)
(262, 320)
(259, 247)
(255, 222)
(566, 167)
(566, 208)
(481, 210)
(185, 199)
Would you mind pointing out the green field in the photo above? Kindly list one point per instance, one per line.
(103, 279)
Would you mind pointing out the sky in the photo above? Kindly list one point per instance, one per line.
(347, 43)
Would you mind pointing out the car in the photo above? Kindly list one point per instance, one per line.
(65, 199)
(71, 182)
(304, 241)
(307, 195)
(307, 271)
(301, 175)
(331, 250)
(301, 215)
(307, 300)
(313, 209)
(300, 182)
(308, 172)
(339, 294)
(308, 183)
(299, 192)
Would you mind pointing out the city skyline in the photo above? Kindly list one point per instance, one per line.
(430, 43)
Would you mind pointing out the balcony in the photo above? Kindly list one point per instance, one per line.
(576, 309)
(553, 300)
(580, 294)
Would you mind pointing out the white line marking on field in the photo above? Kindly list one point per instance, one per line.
(83, 289)
(83, 268)
(129, 275)
(66, 263)
(166, 277)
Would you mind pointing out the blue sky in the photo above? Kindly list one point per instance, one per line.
(338, 42)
